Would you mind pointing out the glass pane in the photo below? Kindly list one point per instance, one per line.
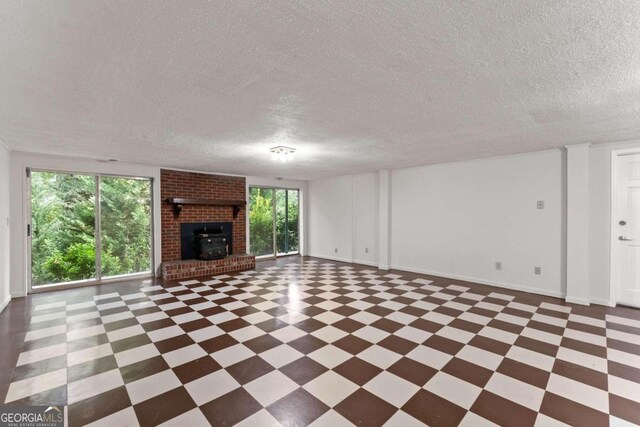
(63, 228)
(125, 225)
(287, 221)
(261, 221)
(293, 224)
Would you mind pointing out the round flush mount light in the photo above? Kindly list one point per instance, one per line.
(282, 153)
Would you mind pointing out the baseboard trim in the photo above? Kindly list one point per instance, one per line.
(5, 303)
(332, 258)
(369, 263)
(576, 300)
(604, 302)
(481, 281)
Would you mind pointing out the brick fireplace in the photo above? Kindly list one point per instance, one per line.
(201, 188)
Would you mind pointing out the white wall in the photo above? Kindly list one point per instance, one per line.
(342, 215)
(291, 184)
(454, 220)
(19, 163)
(365, 219)
(458, 219)
(5, 293)
(330, 213)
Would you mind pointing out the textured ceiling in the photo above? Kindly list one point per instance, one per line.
(354, 86)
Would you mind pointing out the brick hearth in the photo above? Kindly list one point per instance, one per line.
(201, 186)
(178, 270)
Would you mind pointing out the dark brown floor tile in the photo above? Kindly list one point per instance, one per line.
(345, 310)
(158, 324)
(357, 370)
(571, 412)
(506, 326)
(93, 367)
(131, 342)
(231, 408)
(303, 370)
(545, 327)
(523, 372)
(387, 325)
(397, 344)
(307, 344)
(489, 344)
(195, 369)
(125, 323)
(211, 311)
(310, 325)
(624, 371)
(433, 410)
(448, 311)
(537, 346)
(195, 325)
(468, 372)
(348, 325)
(262, 343)
(233, 325)
(579, 373)
(376, 309)
(625, 409)
(352, 344)
(426, 325)
(100, 406)
(412, 371)
(584, 347)
(474, 328)
(366, 409)
(298, 408)
(502, 411)
(627, 347)
(170, 344)
(56, 396)
(163, 407)
(249, 369)
(143, 369)
(443, 344)
(38, 368)
(274, 324)
(218, 343)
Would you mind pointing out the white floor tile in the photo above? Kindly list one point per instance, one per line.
(391, 388)
(34, 385)
(232, 355)
(41, 354)
(270, 387)
(330, 388)
(579, 392)
(88, 354)
(137, 354)
(281, 355)
(429, 356)
(379, 356)
(453, 389)
(151, 386)
(94, 385)
(524, 394)
(210, 387)
(330, 356)
(183, 355)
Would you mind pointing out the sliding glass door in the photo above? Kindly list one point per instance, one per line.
(85, 228)
(273, 221)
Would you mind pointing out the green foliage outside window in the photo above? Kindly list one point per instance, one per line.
(64, 220)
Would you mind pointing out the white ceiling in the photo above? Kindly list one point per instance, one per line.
(354, 86)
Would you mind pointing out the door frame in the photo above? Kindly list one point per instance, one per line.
(614, 274)
(98, 237)
(275, 254)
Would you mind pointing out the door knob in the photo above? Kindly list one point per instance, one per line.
(624, 239)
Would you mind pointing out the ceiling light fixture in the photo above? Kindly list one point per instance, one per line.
(282, 153)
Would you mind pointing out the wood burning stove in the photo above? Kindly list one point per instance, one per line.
(211, 246)
(206, 240)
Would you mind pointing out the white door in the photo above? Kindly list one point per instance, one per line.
(627, 226)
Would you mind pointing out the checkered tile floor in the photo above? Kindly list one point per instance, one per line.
(325, 344)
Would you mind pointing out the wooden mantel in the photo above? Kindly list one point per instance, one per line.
(178, 202)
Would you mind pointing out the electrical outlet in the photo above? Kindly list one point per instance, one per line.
(336, 250)
(366, 250)
(498, 265)
(540, 204)
(537, 270)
